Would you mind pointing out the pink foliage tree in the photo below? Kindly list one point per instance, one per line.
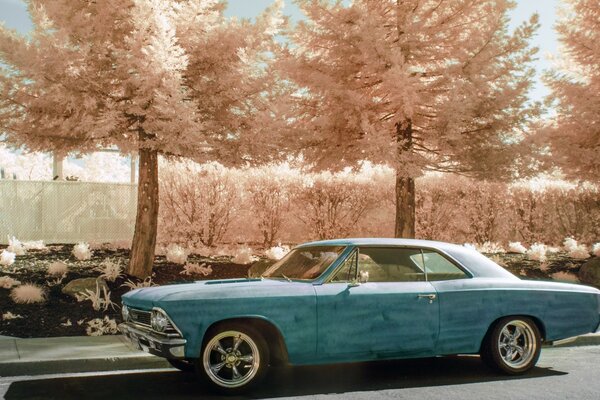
(575, 84)
(150, 76)
(419, 85)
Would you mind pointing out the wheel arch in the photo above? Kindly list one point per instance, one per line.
(538, 322)
(270, 331)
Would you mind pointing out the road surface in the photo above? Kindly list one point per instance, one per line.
(562, 373)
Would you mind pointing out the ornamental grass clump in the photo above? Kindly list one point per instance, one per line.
(100, 298)
(176, 254)
(196, 269)
(57, 269)
(244, 256)
(575, 250)
(7, 258)
(516, 247)
(15, 246)
(6, 282)
(28, 294)
(81, 251)
(596, 249)
(537, 252)
(110, 270)
(277, 253)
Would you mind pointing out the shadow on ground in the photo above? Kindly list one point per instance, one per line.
(283, 382)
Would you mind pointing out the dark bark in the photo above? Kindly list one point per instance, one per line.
(405, 186)
(146, 221)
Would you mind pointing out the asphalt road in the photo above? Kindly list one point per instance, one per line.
(562, 373)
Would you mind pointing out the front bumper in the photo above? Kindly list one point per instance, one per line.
(153, 343)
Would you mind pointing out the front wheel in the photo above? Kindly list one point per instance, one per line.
(234, 358)
(513, 346)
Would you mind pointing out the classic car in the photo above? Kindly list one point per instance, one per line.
(354, 300)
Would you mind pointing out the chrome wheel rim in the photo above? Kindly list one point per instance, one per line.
(517, 344)
(231, 359)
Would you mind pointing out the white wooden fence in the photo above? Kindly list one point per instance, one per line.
(67, 212)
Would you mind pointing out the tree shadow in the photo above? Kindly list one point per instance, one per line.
(282, 382)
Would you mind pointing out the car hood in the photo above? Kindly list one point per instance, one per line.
(147, 298)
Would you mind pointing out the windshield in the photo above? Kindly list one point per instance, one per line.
(304, 263)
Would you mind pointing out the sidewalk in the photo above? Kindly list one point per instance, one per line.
(106, 353)
(71, 354)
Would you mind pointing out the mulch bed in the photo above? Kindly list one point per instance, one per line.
(61, 315)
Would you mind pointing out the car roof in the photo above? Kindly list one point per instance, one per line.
(382, 242)
(476, 263)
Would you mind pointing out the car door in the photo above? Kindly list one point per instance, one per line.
(394, 311)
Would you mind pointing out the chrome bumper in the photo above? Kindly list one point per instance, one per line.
(150, 342)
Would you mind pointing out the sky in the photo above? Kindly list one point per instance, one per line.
(14, 15)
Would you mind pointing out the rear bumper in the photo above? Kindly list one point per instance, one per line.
(150, 342)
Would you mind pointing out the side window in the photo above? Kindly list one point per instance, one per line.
(439, 268)
(387, 264)
(348, 270)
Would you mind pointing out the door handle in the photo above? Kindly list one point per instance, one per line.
(430, 296)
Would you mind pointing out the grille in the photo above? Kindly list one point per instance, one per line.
(141, 317)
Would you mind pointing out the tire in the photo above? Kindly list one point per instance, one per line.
(512, 346)
(182, 365)
(234, 358)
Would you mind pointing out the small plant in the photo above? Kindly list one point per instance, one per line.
(100, 298)
(6, 282)
(57, 269)
(8, 316)
(28, 294)
(176, 254)
(516, 247)
(99, 327)
(15, 246)
(277, 253)
(109, 270)
(537, 252)
(244, 256)
(7, 258)
(81, 251)
(565, 276)
(195, 269)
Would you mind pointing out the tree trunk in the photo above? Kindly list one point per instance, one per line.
(146, 220)
(405, 186)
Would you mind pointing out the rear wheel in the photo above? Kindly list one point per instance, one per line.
(234, 358)
(513, 345)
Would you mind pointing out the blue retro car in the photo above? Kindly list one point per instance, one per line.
(356, 300)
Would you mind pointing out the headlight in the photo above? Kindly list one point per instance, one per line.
(125, 313)
(159, 321)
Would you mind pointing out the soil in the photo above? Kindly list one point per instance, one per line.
(61, 315)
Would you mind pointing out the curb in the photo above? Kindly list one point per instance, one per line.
(591, 339)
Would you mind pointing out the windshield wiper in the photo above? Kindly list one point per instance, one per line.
(286, 278)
